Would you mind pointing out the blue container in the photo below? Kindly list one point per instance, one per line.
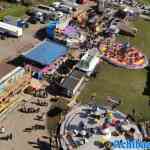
(50, 28)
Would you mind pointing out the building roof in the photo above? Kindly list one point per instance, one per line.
(72, 80)
(46, 52)
(5, 69)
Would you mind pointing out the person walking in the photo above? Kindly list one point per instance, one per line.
(2, 130)
(149, 102)
(133, 112)
(38, 141)
(10, 136)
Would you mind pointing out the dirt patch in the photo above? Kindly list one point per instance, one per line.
(13, 47)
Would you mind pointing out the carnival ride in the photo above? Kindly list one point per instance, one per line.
(123, 55)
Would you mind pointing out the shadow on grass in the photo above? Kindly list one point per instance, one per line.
(147, 85)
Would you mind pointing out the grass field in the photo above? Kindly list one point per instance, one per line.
(128, 85)
(14, 10)
(144, 1)
(51, 1)
(147, 1)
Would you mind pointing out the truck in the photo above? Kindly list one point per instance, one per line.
(11, 29)
(22, 23)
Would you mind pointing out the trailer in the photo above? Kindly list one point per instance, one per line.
(12, 30)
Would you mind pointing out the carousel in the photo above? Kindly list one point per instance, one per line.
(96, 128)
(71, 35)
(123, 55)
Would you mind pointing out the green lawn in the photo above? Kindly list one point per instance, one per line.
(125, 84)
(51, 1)
(14, 10)
(145, 1)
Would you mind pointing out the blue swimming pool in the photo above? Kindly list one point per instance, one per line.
(46, 52)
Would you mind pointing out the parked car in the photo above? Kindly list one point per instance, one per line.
(58, 14)
(41, 15)
(146, 12)
(56, 5)
(23, 23)
(47, 8)
(65, 8)
(32, 19)
(3, 34)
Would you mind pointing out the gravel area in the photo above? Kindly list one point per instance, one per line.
(12, 47)
(16, 122)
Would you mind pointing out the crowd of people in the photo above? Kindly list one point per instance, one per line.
(42, 103)
(30, 109)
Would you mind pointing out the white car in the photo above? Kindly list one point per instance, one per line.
(56, 4)
(59, 14)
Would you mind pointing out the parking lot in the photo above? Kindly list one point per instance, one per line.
(11, 47)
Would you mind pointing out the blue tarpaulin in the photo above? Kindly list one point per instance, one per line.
(46, 52)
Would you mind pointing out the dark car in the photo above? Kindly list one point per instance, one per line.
(32, 19)
(3, 34)
(65, 9)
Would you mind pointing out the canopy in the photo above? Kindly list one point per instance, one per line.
(70, 31)
(46, 52)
